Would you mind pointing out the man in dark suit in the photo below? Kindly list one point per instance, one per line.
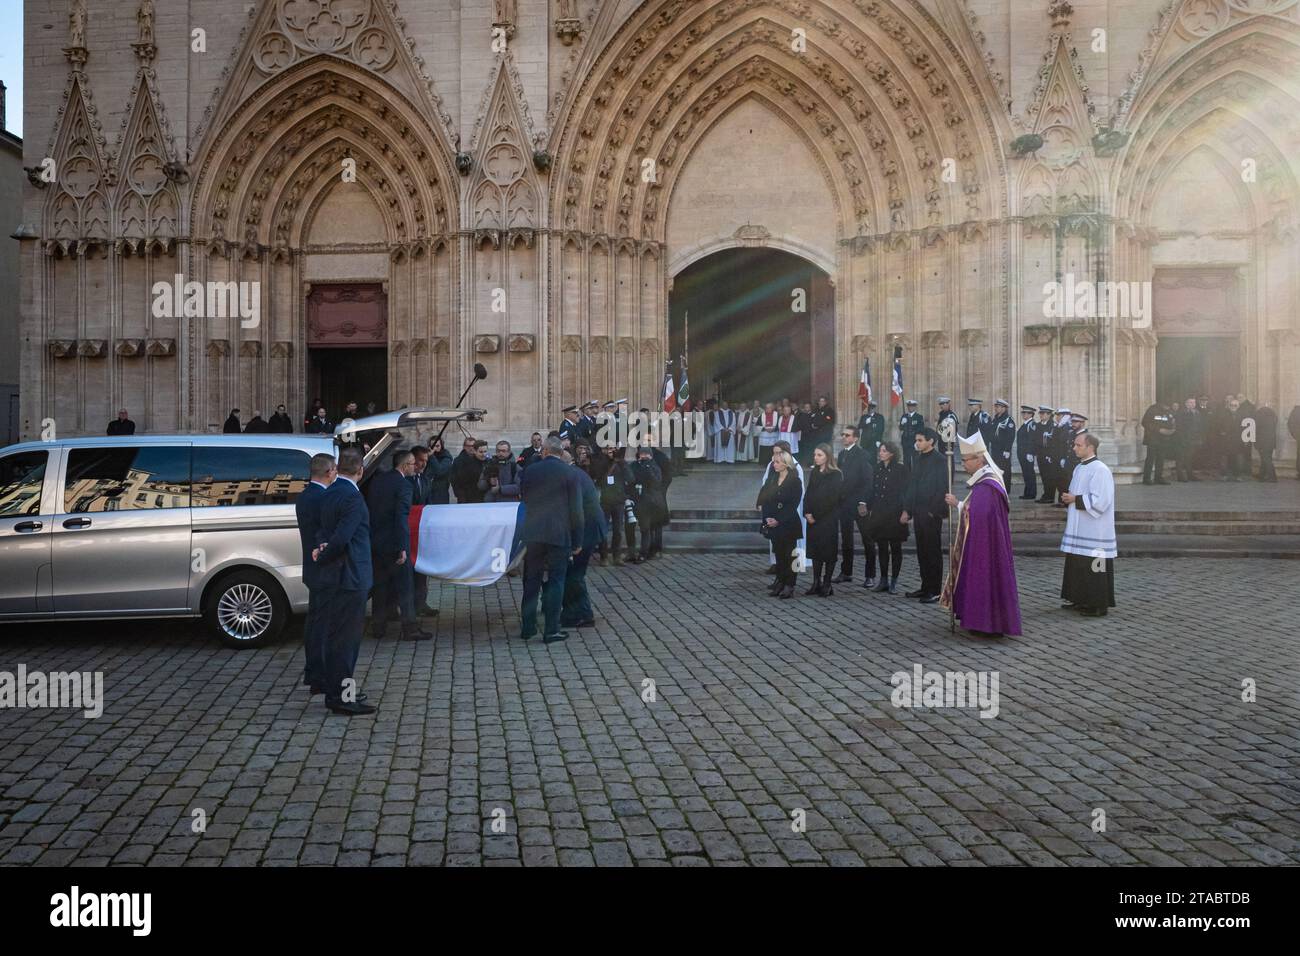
(855, 465)
(122, 425)
(346, 575)
(924, 506)
(307, 508)
(388, 498)
(421, 494)
(281, 422)
(576, 608)
(553, 530)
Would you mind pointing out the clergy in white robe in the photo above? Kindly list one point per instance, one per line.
(800, 546)
(768, 433)
(786, 432)
(1089, 540)
(710, 431)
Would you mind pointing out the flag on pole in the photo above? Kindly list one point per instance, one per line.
(670, 399)
(684, 390)
(864, 384)
(896, 390)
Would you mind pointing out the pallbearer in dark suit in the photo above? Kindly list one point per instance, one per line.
(307, 508)
(576, 610)
(856, 467)
(552, 532)
(1004, 436)
(421, 494)
(908, 426)
(343, 561)
(389, 500)
(1027, 449)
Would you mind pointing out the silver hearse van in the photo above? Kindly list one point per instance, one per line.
(187, 526)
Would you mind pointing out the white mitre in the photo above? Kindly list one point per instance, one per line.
(974, 445)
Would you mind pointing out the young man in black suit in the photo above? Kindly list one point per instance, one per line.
(389, 500)
(552, 532)
(855, 464)
(307, 508)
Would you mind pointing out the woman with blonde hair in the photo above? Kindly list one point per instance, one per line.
(821, 506)
(779, 501)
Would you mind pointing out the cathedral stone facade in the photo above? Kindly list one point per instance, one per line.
(408, 187)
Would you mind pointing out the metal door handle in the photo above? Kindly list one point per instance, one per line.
(28, 526)
(77, 523)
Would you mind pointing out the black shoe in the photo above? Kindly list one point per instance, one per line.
(826, 590)
(844, 578)
(813, 588)
(786, 592)
(527, 637)
(771, 569)
(1027, 497)
(316, 689)
(1045, 501)
(350, 708)
(870, 583)
(893, 586)
(930, 599)
(1093, 611)
(415, 634)
(426, 611)
(1071, 606)
(918, 593)
(552, 638)
(882, 587)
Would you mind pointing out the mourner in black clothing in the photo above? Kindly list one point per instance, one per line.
(1293, 428)
(232, 425)
(924, 505)
(908, 426)
(257, 425)
(855, 466)
(438, 473)
(884, 524)
(823, 422)
(499, 478)
(646, 486)
(821, 508)
(122, 425)
(803, 425)
(465, 471)
(609, 472)
(313, 409)
(779, 501)
(280, 422)
(1189, 427)
(532, 452)
(1026, 449)
(319, 424)
(1266, 440)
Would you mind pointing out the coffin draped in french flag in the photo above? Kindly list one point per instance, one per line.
(467, 544)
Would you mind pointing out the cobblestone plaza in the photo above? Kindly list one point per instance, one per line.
(489, 750)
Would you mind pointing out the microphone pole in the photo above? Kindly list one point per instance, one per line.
(479, 372)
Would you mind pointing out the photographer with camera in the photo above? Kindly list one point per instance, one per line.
(499, 479)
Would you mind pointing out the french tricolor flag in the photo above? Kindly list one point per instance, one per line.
(896, 389)
(467, 544)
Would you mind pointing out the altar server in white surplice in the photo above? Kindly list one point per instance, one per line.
(800, 546)
(768, 433)
(1089, 541)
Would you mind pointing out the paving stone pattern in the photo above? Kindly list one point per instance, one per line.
(762, 707)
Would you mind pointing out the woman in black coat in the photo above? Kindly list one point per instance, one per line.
(609, 472)
(779, 501)
(885, 509)
(645, 486)
(438, 472)
(821, 507)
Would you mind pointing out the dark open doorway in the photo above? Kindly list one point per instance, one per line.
(347, 339)
(1189, 366)
(745, 330)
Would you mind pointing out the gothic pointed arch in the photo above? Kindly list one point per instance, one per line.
(504, 189)
(147, 203)
(77, 208)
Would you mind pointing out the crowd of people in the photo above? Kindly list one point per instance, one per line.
(1218, 440)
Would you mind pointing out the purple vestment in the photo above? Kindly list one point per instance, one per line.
(984, 598)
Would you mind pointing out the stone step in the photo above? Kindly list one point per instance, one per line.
(1035, 525)
(1034, 545)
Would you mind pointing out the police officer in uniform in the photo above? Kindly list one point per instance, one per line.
(569, 427)
(1026, 450)
(979, 421)
(911, 423)
(587, 423)
(1044, 451)
(1060, 449)
(871, 428)
(1004, 436)
(1078, 425)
